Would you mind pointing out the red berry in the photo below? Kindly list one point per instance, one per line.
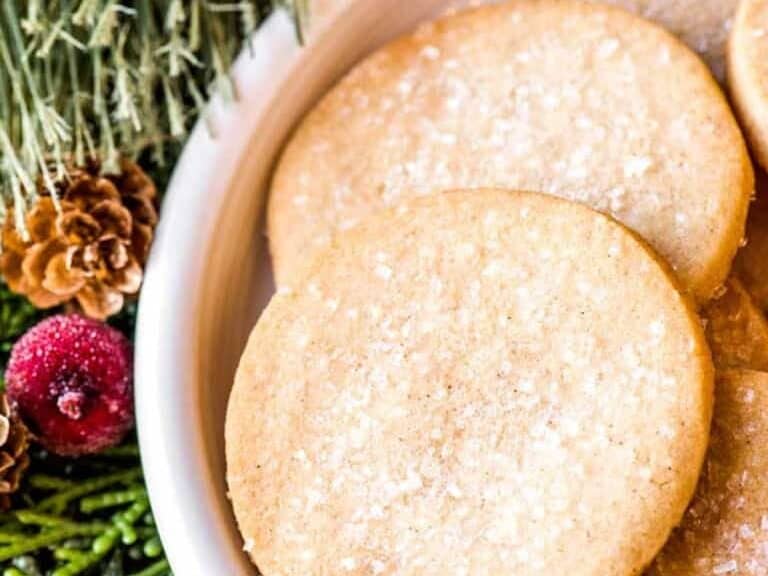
(70, 377)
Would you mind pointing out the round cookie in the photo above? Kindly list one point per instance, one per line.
(748, 73)
(583, 101)
(724, 530)
(702, 24)
(475, 382)
(736, 329)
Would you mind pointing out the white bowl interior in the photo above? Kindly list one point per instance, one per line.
(208, 277)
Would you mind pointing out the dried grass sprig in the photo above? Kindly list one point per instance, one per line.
(108, 78)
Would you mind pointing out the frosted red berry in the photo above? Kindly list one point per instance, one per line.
(70, 378)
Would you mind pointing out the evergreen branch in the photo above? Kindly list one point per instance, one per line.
(111, 78)
(159, 567)
(59, 501)
(93, 503)
(47, 538)
(46, 482)
(104, 527)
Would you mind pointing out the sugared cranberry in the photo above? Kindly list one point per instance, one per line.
(70, 378)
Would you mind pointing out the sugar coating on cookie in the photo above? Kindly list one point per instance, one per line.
(475, 382)
(725, 530)
(582, 101)
(748, 73)
(702, 24)
(736, 330)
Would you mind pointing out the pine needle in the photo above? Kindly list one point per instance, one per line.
(111, 78)
(84, 516)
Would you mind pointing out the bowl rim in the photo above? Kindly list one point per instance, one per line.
(172, 443)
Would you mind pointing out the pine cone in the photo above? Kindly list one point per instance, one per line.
(93, 251)
(14, 459)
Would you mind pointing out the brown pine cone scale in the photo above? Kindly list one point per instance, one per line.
(14, 458)
(93, 251)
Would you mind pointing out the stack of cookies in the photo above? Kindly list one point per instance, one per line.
(518, 329)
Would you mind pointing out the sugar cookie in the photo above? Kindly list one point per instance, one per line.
(736, 329)
(748, 73)
(473, 383)
(583, 101)
(724, 530)
(702, 24)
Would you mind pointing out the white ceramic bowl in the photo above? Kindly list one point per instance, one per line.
(208, 277)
